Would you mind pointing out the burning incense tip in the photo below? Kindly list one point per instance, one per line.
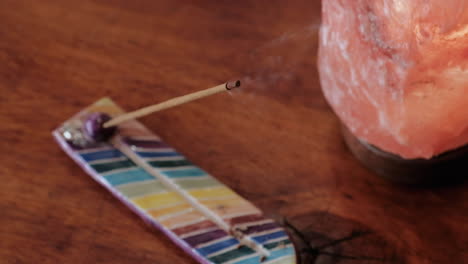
(233, 84)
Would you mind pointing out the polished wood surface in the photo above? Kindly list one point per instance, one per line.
(276, 142)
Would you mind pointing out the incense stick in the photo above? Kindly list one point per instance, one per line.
(171, 103)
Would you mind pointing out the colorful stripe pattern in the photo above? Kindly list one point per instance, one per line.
(165, 209)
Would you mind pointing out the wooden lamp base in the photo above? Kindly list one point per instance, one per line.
(446, 168)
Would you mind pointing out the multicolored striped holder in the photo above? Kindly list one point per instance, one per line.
(201, 215)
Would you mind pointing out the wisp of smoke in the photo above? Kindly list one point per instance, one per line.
(279, 61)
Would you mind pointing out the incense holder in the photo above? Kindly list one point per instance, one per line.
(449, 167)
(125, 165)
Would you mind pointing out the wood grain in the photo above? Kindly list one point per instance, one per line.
(276, 142)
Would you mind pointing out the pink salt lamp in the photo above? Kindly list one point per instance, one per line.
(396, 74)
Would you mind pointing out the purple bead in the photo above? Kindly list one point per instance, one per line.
(94, 129)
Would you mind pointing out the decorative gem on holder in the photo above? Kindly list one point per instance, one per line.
(72, 132)
(93, 127)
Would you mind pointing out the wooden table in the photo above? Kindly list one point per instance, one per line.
(276, 142)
